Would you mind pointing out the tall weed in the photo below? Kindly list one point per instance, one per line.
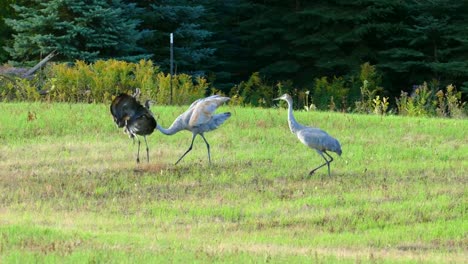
(449, 104)
(370, 79)
(418, 104)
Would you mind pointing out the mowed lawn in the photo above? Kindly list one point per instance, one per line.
(71, 191)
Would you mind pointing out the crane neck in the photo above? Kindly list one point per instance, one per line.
(166, 131)
(174, 128)
(293, 124)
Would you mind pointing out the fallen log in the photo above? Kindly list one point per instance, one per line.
(31, 71)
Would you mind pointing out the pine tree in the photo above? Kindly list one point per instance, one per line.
(302, 40)
(84, 30)
(6, 11)
(228, 66)
(192, 46)
(264, 33)
(431, 43)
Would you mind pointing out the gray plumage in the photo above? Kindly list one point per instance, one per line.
(312, 137)
(199, 118)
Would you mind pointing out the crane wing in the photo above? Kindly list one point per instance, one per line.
(203, 110)
(318, 139)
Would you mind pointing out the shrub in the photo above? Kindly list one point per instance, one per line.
(100, 81)
(328, 93)
(145, 78)
(96, 82)
(254, 92)
(17, 89)
(418, 104)
(427, 102)
(366, 103)
(185, 90)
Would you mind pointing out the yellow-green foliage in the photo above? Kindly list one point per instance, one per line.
(184, 89)
(96, 82)
(425, 101)
(145, 76)
(100, 81)
(380, 105)
(12, 89)
(454, 104)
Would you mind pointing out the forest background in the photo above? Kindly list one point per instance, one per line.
(366, 56)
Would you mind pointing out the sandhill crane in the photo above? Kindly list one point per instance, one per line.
(312, 137)
(198, 119)
(137, 120)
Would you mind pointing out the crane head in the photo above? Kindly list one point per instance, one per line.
(285, 97)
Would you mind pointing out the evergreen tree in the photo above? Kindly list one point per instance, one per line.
(192, 47)
(431, 43)
(230, 59)
(84, 30)
(302, 40)
(325, 39)
(6, 11)
(263, 32)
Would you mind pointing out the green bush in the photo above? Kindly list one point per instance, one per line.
(328, 94)
(254, 92)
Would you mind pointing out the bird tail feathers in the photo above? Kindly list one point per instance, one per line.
(219, 120)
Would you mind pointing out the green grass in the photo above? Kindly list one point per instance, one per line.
(71, 191)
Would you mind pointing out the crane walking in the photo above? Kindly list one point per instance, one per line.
(136, 119)
(312, 137)
(199, 118)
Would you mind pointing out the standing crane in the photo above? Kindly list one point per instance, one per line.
(198, 119)
(312, 137)
(136, 119)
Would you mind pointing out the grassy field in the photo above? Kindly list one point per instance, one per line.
(71, 191)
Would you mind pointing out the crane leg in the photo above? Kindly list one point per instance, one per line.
(331, 159)
(327, 162)
(147, 149)
(188, 150)
(208, 147)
